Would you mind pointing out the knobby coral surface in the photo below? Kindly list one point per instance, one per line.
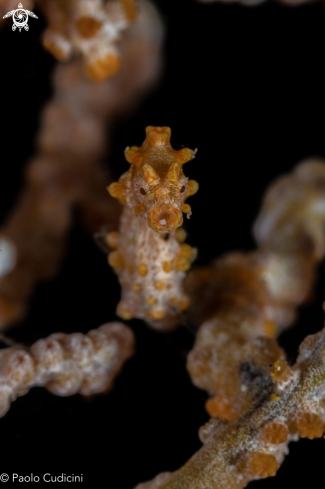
(91, 28)
(66, 364)
(245, 299)
(261, 403)
(65, 172)
(234, 453)
(149, 258)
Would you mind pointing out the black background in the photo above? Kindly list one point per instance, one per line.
(246, 86)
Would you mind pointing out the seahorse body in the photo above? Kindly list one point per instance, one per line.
(150, 258)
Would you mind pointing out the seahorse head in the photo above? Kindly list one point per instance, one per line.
(155, 186)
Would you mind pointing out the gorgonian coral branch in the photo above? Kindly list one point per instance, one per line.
(245, 299)
(66, 364)
(261, 403)
(66, 172)
(91, 28)
(149, 258)
(254, 446)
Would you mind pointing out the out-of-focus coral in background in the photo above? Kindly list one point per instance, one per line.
(66, 172)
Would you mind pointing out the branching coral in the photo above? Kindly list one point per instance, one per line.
(291, 403)
(247, 299)
(89, 27)
(264, 403)
(66, 364)
(149, 259)
(66, 173)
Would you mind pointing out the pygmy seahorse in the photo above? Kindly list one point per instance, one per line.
(149, 258)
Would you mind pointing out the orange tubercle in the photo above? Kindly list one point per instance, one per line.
(157, 314)
(51, 44)
(281, 372)
(101, 68)
(88, 26)
(183, 304)
(158, 136)
(150, 174)
(139, 208)
(173, 172)
(220, 408)
(117, 191)
(133, 156)
(167, 266)
(182, 264)
(262, 464)
(186, 251)
(186, 209)
(275, 432)
(192, 188)
(180, 235)
(159, 284)
(130, 9)
(184, 155)
(310, 425)
(124, 312)
(136, 288)
(151, 300)
(270, 329)
(116, 259)
(142, 269)
(111, 239)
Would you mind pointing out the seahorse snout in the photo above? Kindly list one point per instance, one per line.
(164, 217)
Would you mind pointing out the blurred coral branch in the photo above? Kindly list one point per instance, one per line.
(90, 28)
(66, 171)
(66, 364)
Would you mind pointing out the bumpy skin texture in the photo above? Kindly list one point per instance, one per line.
(155, 187)
(91, 28)
(65, 173)
(149, 258)
(245, 300)
(151, 270)
(66, 364)
(291, 404)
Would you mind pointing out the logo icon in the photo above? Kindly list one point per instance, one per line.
(20, 18)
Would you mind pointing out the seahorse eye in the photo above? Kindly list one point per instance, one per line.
(142, 191)
(182, 189)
